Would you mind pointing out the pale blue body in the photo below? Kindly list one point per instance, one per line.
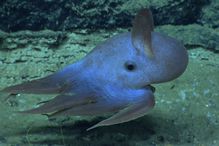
(102, 73)
(114, 77)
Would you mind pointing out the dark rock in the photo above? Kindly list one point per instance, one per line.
(210, 15)
(2, 140)
(67, 14)
(178, 12)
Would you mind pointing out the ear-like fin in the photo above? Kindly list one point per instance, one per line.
(132, 112)
(143, 25)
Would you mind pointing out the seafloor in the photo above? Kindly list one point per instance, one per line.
(186, 111)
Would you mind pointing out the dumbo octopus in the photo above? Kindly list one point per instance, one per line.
(115, 77)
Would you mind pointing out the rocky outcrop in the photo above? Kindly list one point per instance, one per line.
(193, 36)
(195, 22)
(67, 14)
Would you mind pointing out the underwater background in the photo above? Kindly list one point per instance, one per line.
(39, 37)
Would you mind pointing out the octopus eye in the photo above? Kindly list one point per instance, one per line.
(130, 66)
